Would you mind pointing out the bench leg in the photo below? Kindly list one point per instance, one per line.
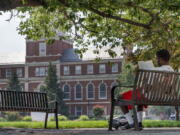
(177, 113)
(46, 118)
(111, 116)
(135, 118)
(56, 118)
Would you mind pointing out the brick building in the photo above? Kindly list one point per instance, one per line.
(85, 83)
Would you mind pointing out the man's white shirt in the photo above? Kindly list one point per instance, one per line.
(163, 68)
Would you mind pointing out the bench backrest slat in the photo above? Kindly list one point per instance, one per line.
(25, 100)
(156, 87)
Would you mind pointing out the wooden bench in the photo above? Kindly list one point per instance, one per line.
(27, 102)
(155, 88)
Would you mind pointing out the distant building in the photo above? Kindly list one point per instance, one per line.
(84, 82)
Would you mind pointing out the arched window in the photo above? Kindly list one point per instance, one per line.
(78, 94)
(102, 91)
(66, 91)
(90, 91)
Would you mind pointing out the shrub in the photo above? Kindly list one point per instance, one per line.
(2, 119)
(98, 111)
(27, 118)
(51, 118)
(12, 116)
(72, 117)
(60, 118)
(83, 118)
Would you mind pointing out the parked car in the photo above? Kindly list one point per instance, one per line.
(118, 122)
(173, 117)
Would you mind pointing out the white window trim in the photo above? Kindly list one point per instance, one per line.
(81, 92)
(99, 91)
(78, 73)
(69, 92)
(68, 71)
(114, 71)
(92, 69)
(104, 68)
(76, 110)
(87, 91)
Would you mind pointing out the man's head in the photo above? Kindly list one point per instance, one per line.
(163, 57)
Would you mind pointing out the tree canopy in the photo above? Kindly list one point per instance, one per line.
(147, 25)
(53, 89)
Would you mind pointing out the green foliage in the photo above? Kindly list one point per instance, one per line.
(147, 25)
(86, 124)
(12, 116)
(83, 118)
(98, 111)
(60, 118)
(53, 90)
(52, 118)
(14, 83)
(161, 123)
(127, 75)
(27, 118)
(62, 124)
(2, 119)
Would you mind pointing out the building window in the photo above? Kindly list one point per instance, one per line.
(102, 68)
(102, 91)
(8, 73)
(19, 72)
(78, 110)
(66, 91)
(41, 71)
(42, 49)
(90, 69)
(78, 69)
(66, 70)
(114, 67)
(90, 91)
(78, 93)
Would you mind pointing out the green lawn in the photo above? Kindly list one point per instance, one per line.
(85, 124)
(62, 124)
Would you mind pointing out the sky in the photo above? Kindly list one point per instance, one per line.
(12, 44)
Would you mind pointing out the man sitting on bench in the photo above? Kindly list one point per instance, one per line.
(163, 57)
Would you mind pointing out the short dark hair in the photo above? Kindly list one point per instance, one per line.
(163, 54)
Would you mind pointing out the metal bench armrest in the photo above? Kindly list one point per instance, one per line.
(54, 102)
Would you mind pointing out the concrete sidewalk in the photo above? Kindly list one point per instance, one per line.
(146, 131)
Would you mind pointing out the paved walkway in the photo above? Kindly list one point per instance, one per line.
(149, 131)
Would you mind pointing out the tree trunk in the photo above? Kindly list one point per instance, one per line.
(177, 113)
